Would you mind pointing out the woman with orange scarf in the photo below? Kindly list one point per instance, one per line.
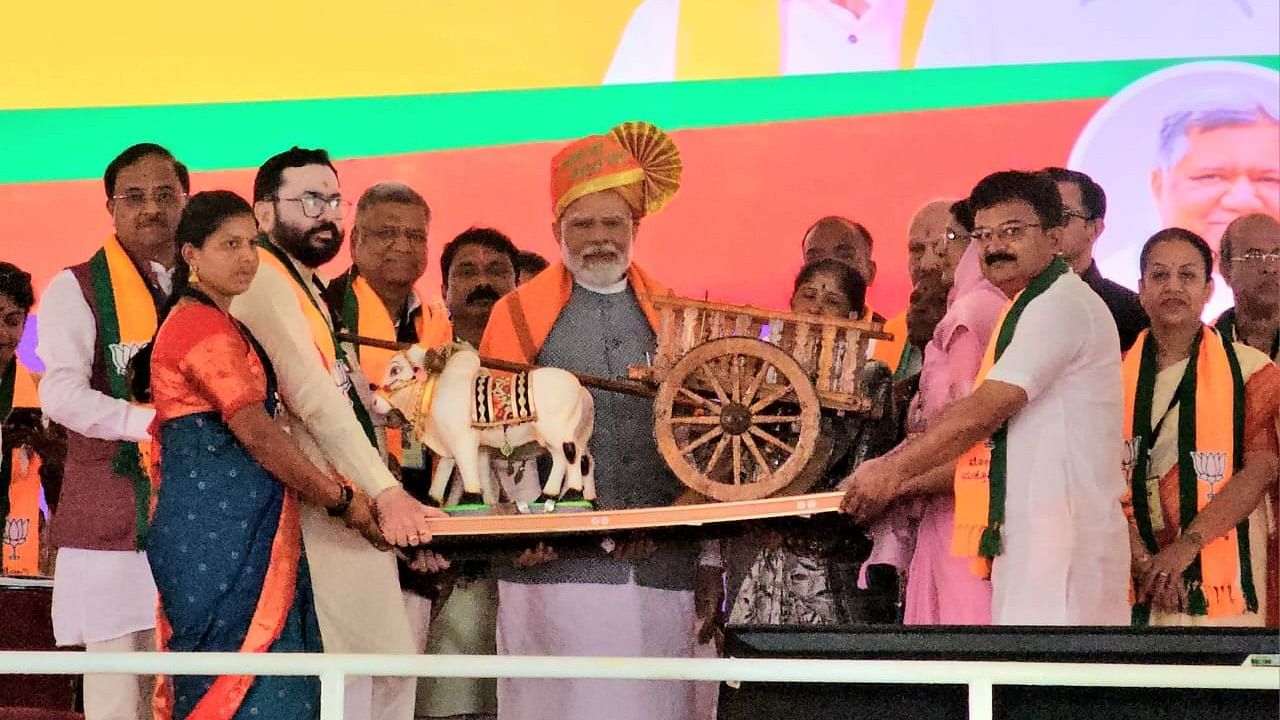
(1200, 450)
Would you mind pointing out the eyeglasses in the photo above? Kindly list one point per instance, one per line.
(1010, 231)
(387, 235)
(1257, 256)
(953, 236)
(1077, 214)
(314, 204)
(163, 197)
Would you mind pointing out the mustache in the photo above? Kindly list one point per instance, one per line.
(331, 227)
(995, 257)
(482, 293)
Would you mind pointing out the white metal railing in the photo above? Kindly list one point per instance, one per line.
(333, 669)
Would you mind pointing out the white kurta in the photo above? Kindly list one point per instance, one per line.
(1066, 542)
(588, 619)
(357, 589)
(98, 595)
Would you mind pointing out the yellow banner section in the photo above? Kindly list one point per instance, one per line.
(153, 52)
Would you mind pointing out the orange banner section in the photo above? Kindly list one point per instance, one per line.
(732, 233)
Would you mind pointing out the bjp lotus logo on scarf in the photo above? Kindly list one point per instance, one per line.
(15, 533)
(1129, 457)
(1210, 467)
(122, 353)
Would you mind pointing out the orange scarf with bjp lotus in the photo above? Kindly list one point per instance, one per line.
(981, 473)
(20, 480)
(1211, 413)
(126, 324)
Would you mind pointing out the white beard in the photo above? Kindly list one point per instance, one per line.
(597, 274)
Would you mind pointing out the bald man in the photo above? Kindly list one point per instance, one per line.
(1250, 263)
(935, 242)
(839, 238)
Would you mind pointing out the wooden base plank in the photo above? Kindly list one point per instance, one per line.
(506, 523)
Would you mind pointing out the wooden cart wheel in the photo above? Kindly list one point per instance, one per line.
(736, 419)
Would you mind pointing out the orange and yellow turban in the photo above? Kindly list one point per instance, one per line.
(635, 159)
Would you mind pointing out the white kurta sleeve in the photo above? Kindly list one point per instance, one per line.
(67, 335)
(1051, 335)
(270, 310)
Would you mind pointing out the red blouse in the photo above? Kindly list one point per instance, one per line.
(202, 363)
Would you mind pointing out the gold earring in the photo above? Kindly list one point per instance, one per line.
(193, 277)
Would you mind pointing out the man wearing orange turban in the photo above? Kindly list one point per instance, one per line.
(590, 313)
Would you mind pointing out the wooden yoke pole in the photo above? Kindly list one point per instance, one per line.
(627, 387)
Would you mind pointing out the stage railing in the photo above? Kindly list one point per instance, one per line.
(332, 670)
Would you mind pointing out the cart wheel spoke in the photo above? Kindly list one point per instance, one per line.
(721, 444)
(737, 459)
(771, 398)
(698, 399)
(715, 383)
(776, 418)
(696, 420)
(703, 439)
(772, 439)
(756, 381)
(762, 466)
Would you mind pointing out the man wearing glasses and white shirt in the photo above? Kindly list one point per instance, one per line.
(93, 318)
(299, 211)
(1034, 450)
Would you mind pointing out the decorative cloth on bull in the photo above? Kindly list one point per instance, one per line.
(635, 159)
(502, 400)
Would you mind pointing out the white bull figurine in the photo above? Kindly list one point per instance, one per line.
(562, 423)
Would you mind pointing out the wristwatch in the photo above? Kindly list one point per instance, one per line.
(344, 502)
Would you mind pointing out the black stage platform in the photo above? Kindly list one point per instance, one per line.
(1173, 646)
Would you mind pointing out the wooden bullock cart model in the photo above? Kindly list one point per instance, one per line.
(739, 399)
(741, 390)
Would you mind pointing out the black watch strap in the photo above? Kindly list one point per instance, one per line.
(344, 502)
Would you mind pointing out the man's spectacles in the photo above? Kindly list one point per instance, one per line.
(163, 197)
(1077, 214)
(314, 204)
(1011, 231)
(1257, 256)
(953, 236)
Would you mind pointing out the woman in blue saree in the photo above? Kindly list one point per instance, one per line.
(225, 544)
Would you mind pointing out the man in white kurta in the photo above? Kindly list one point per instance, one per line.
(1055, 384)
(357, 589)
(103, 595)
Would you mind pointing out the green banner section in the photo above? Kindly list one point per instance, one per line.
(77, 143)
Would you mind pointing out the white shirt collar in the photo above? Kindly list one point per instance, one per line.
(613, 289)
(163, 276)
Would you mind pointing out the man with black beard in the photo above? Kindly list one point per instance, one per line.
(299, 210)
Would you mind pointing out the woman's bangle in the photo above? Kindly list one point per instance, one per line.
(345, 496)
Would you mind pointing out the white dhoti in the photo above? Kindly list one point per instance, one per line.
(587, 619)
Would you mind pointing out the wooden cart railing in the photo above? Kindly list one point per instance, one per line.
(820, 345)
